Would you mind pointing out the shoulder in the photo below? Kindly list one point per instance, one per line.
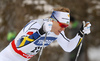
(40, 21)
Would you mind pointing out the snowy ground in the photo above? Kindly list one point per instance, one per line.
(94, 53)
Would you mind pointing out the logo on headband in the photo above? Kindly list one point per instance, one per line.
(65, 18)
(68, 15)
(67, 22)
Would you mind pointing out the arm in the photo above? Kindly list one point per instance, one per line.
(40, 30)
(70, 44)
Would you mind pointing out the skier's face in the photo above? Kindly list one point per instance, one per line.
(58, 27)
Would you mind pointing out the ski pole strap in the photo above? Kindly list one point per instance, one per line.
(19, 51)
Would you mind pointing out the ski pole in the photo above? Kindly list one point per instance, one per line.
(79, 49)
(42, 47)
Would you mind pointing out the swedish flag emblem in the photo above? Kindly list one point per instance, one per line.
(24, 41)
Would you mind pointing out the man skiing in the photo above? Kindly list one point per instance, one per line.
(30, 39)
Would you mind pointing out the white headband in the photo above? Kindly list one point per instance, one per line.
(62, 17)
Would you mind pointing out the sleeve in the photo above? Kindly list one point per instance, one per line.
(68, 44)
(32, 25)
(28, 39)
(28, 34)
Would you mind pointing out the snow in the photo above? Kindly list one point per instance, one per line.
(40, 4)
(44, 16)
(36, 2)
(43, 2)
(94, 1)
(97, 7)
(94, 53)
(39, 7)
(50, 9)
(28, 2)
(89, 10)
(54, 44)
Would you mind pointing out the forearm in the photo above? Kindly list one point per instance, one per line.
(74, 42)
(69, 44)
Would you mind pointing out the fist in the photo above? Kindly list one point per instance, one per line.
(86, 29)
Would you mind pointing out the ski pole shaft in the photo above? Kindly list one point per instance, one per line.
(42, 47)
(79, 49)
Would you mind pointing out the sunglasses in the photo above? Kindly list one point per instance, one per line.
(62, 25)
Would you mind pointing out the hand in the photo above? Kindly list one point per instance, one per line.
(46, 27)
(85, 29)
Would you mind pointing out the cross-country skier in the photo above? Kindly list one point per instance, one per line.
(30, 39)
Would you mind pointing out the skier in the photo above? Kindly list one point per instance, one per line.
(30, 39)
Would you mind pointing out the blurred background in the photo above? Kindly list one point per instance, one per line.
(15, 14)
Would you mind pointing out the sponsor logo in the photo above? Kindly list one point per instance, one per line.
(47, 42)
(68, 15)
(66, 18)
(28, 56)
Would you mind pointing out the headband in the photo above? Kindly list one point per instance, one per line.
(62, 17)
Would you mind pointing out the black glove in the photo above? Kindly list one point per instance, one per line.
(41, 31)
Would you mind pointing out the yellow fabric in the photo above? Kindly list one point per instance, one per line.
(24, 40)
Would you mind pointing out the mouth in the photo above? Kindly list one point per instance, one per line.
(59, 31)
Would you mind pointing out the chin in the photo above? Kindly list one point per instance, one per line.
(57, 33)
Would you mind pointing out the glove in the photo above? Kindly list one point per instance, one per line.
(46, 27)
(85, 29)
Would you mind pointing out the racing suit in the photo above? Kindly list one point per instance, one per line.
(29, 42)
